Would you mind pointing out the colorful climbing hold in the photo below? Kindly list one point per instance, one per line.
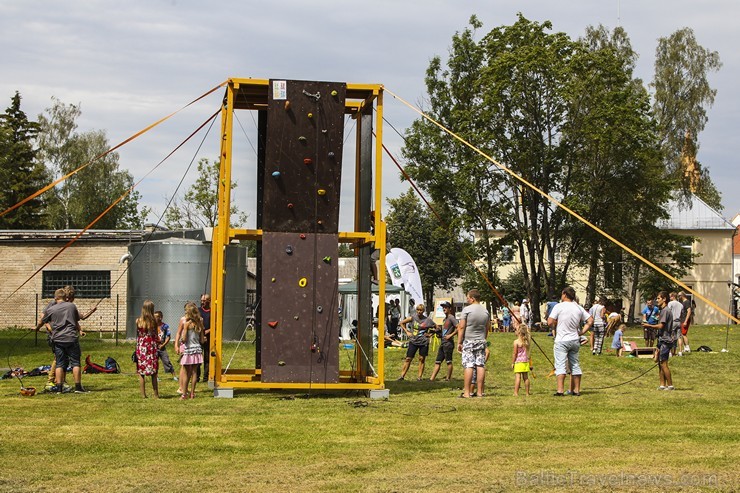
(321, 191)
(276, 174)
(307, 160)
(272, 323)
(303, 282)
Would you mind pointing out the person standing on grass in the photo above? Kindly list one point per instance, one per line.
(687, 315)
(618, 340)
(164, 335)
(520, 359)
(51, 384)
(650, 315)
(147, 348)
(566, 318)
(675, 307)
(516, 316)
(526, 313)
(472, 331)
(447, 346)
(65, 335)
(395, 316)
(599, 328)
(664, 326)
(189, 342)
(419, 335)
(506, 318)
(180, 329)
(205, 315)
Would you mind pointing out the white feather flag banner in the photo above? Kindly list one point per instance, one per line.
(403, 272)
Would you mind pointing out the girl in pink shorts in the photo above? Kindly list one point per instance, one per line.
(190, 336)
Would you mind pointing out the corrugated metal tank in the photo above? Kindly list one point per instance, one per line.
(173, 271)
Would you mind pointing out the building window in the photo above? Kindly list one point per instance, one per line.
(92, 284)
(507, 254)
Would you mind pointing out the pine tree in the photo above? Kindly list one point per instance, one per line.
(20, 173)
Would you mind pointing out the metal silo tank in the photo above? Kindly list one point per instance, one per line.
(235, 292)
(173, 271)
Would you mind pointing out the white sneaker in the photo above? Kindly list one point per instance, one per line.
(679, 353)
(661, 387)
(686, 350)
(175, 379)
(670, 387)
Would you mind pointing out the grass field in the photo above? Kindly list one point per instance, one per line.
(424, 438)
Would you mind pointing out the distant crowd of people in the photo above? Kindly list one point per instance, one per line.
(571, 325)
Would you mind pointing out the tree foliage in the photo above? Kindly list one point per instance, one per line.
(81, 198)
(567, 116)
(20, 173)
(436, 249)
(198, 207)
(617, 180)
(682, 96)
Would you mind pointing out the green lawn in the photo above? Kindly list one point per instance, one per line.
(627, 438)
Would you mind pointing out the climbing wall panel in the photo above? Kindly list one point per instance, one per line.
(303, 156)
(300, 324)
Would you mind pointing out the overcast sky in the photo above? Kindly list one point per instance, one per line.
(130, 63)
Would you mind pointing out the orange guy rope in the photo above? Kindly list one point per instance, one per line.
(103, 154)
(565, 208)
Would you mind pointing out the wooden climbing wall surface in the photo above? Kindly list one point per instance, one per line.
(300, 221)
(303, 156)
(300, 322)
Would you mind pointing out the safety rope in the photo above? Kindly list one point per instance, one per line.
(624, 383)
(564, 207)
(244, 335)
(105, 153)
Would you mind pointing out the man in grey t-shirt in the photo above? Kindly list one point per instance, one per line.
(472, 330)
(64, 320)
